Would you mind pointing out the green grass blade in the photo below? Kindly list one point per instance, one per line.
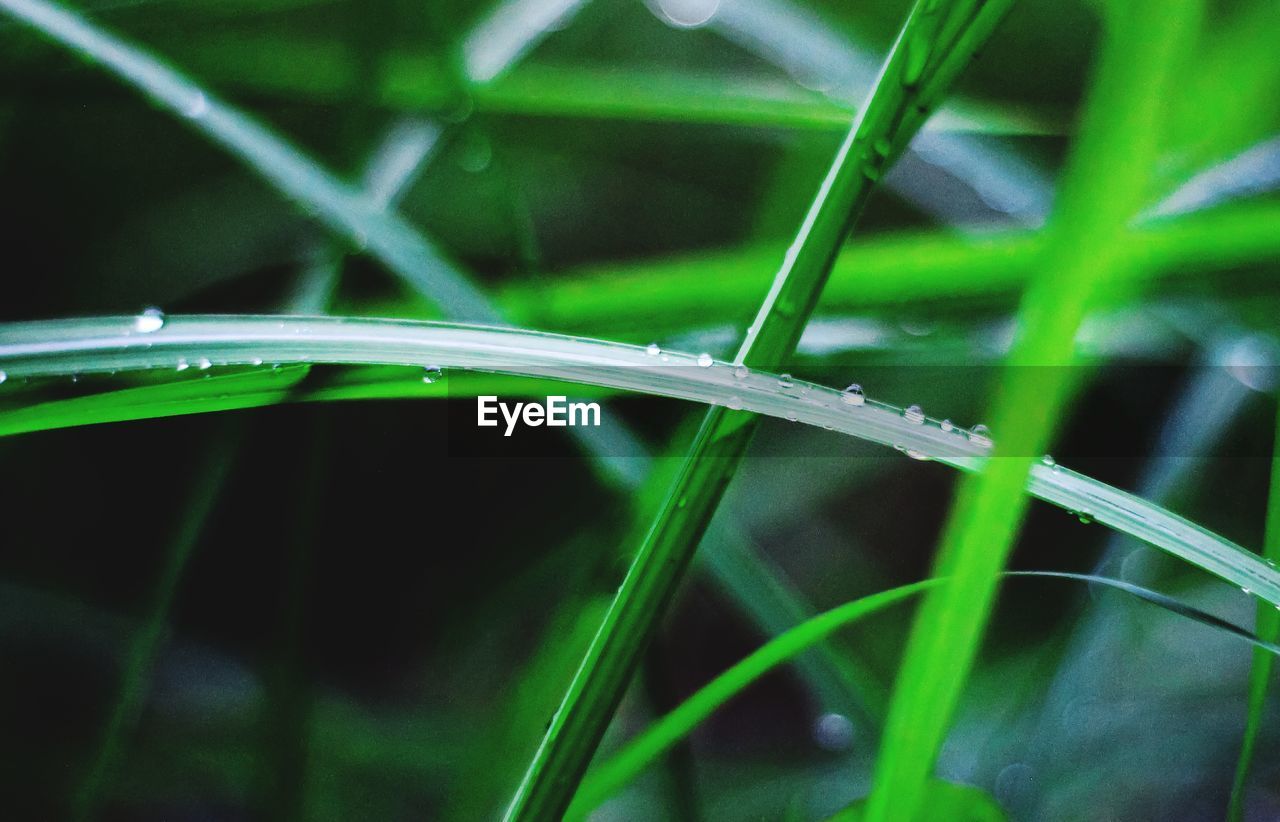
(141, 652)
(102, 345)
(1268, 628)
(1105, 183)
(665, 552)
(721, 286)
(628, 763)
(345, 210)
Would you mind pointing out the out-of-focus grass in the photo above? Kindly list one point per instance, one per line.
(1102, 190)
(1268, 628)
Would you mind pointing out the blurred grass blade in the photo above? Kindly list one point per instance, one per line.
(1104, 186)
(143, 645)
(1268, 629)
(658, 566)
(628, 763)
(345, 210)
(106, 344)
(893, 270)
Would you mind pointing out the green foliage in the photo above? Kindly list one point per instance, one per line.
(619, 172)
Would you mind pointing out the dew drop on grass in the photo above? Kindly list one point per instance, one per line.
(947, 425)
(3, 377)
(916, 455)
(431, 373)
(705, 360)
(197, 106)
(853, 395)
(785, 381)
(741, 372)
(256, 361)
(913, 414)
(204, 364)
(652, 349)
(183, 365)
(1085, 517)
(1048, 461)
(833, 732)
(150, 320)
(734, 403)
(791, 416)
(980, 435)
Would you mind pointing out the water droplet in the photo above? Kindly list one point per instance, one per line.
(183, 365)
(256, 361)
(1246, 591)
(853, 395)
(913, 414)
(980, 436)
(785, 381)
(683, 501)
(705, 360)
(151, 319)
(197, 106)
(1085, 517)
(916, 455)
(833, 732)
(204, 364)
(652, 349)
(741, 372)
(431, 373)
(1049, 461)
(3, 377)
(791, 416)
(947, 425)
(734, 403)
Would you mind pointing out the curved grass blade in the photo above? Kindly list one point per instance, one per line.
(607, 778)
(362, 217)
(103, 345)
(914, 73)
(1268, 628)
(1106, 181)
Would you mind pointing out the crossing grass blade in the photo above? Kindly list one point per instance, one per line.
(1103, 189)
(1268, 628)
(934, 44)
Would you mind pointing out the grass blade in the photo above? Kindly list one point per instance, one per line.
(347, 211)
(1268, 628)
(101, 345)
(720, 286)
(143, 644)
(628, 763)
(876, 134)
(1106, 180)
